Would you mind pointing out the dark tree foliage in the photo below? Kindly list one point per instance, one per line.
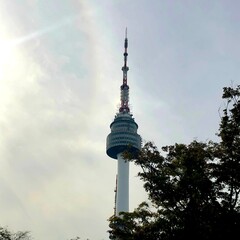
(6, 234)
(193, 189)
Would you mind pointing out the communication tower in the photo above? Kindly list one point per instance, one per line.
(123, 137)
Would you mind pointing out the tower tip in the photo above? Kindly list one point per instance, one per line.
(126, 41)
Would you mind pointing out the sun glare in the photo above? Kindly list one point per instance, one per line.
(10, 69)
(6, 57)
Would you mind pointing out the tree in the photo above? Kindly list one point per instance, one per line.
(6, 234)
(193, 189)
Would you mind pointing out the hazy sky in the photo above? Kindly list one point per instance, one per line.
(60, 73)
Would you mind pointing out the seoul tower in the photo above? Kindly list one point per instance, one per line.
(123, 137)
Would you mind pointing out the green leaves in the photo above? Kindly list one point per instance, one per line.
(6, 234)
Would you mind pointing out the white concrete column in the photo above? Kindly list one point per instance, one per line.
(122, 204)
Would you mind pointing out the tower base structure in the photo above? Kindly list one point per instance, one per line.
(122, 202)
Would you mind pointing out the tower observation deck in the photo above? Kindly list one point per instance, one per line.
(123, 137)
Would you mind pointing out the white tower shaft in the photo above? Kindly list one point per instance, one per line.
(122, 204)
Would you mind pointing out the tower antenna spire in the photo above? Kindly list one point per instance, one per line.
(124, 87)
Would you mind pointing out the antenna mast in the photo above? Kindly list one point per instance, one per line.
(115, 198)
(124, 87)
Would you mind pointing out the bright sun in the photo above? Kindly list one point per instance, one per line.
(7, 52)
(10, 65)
